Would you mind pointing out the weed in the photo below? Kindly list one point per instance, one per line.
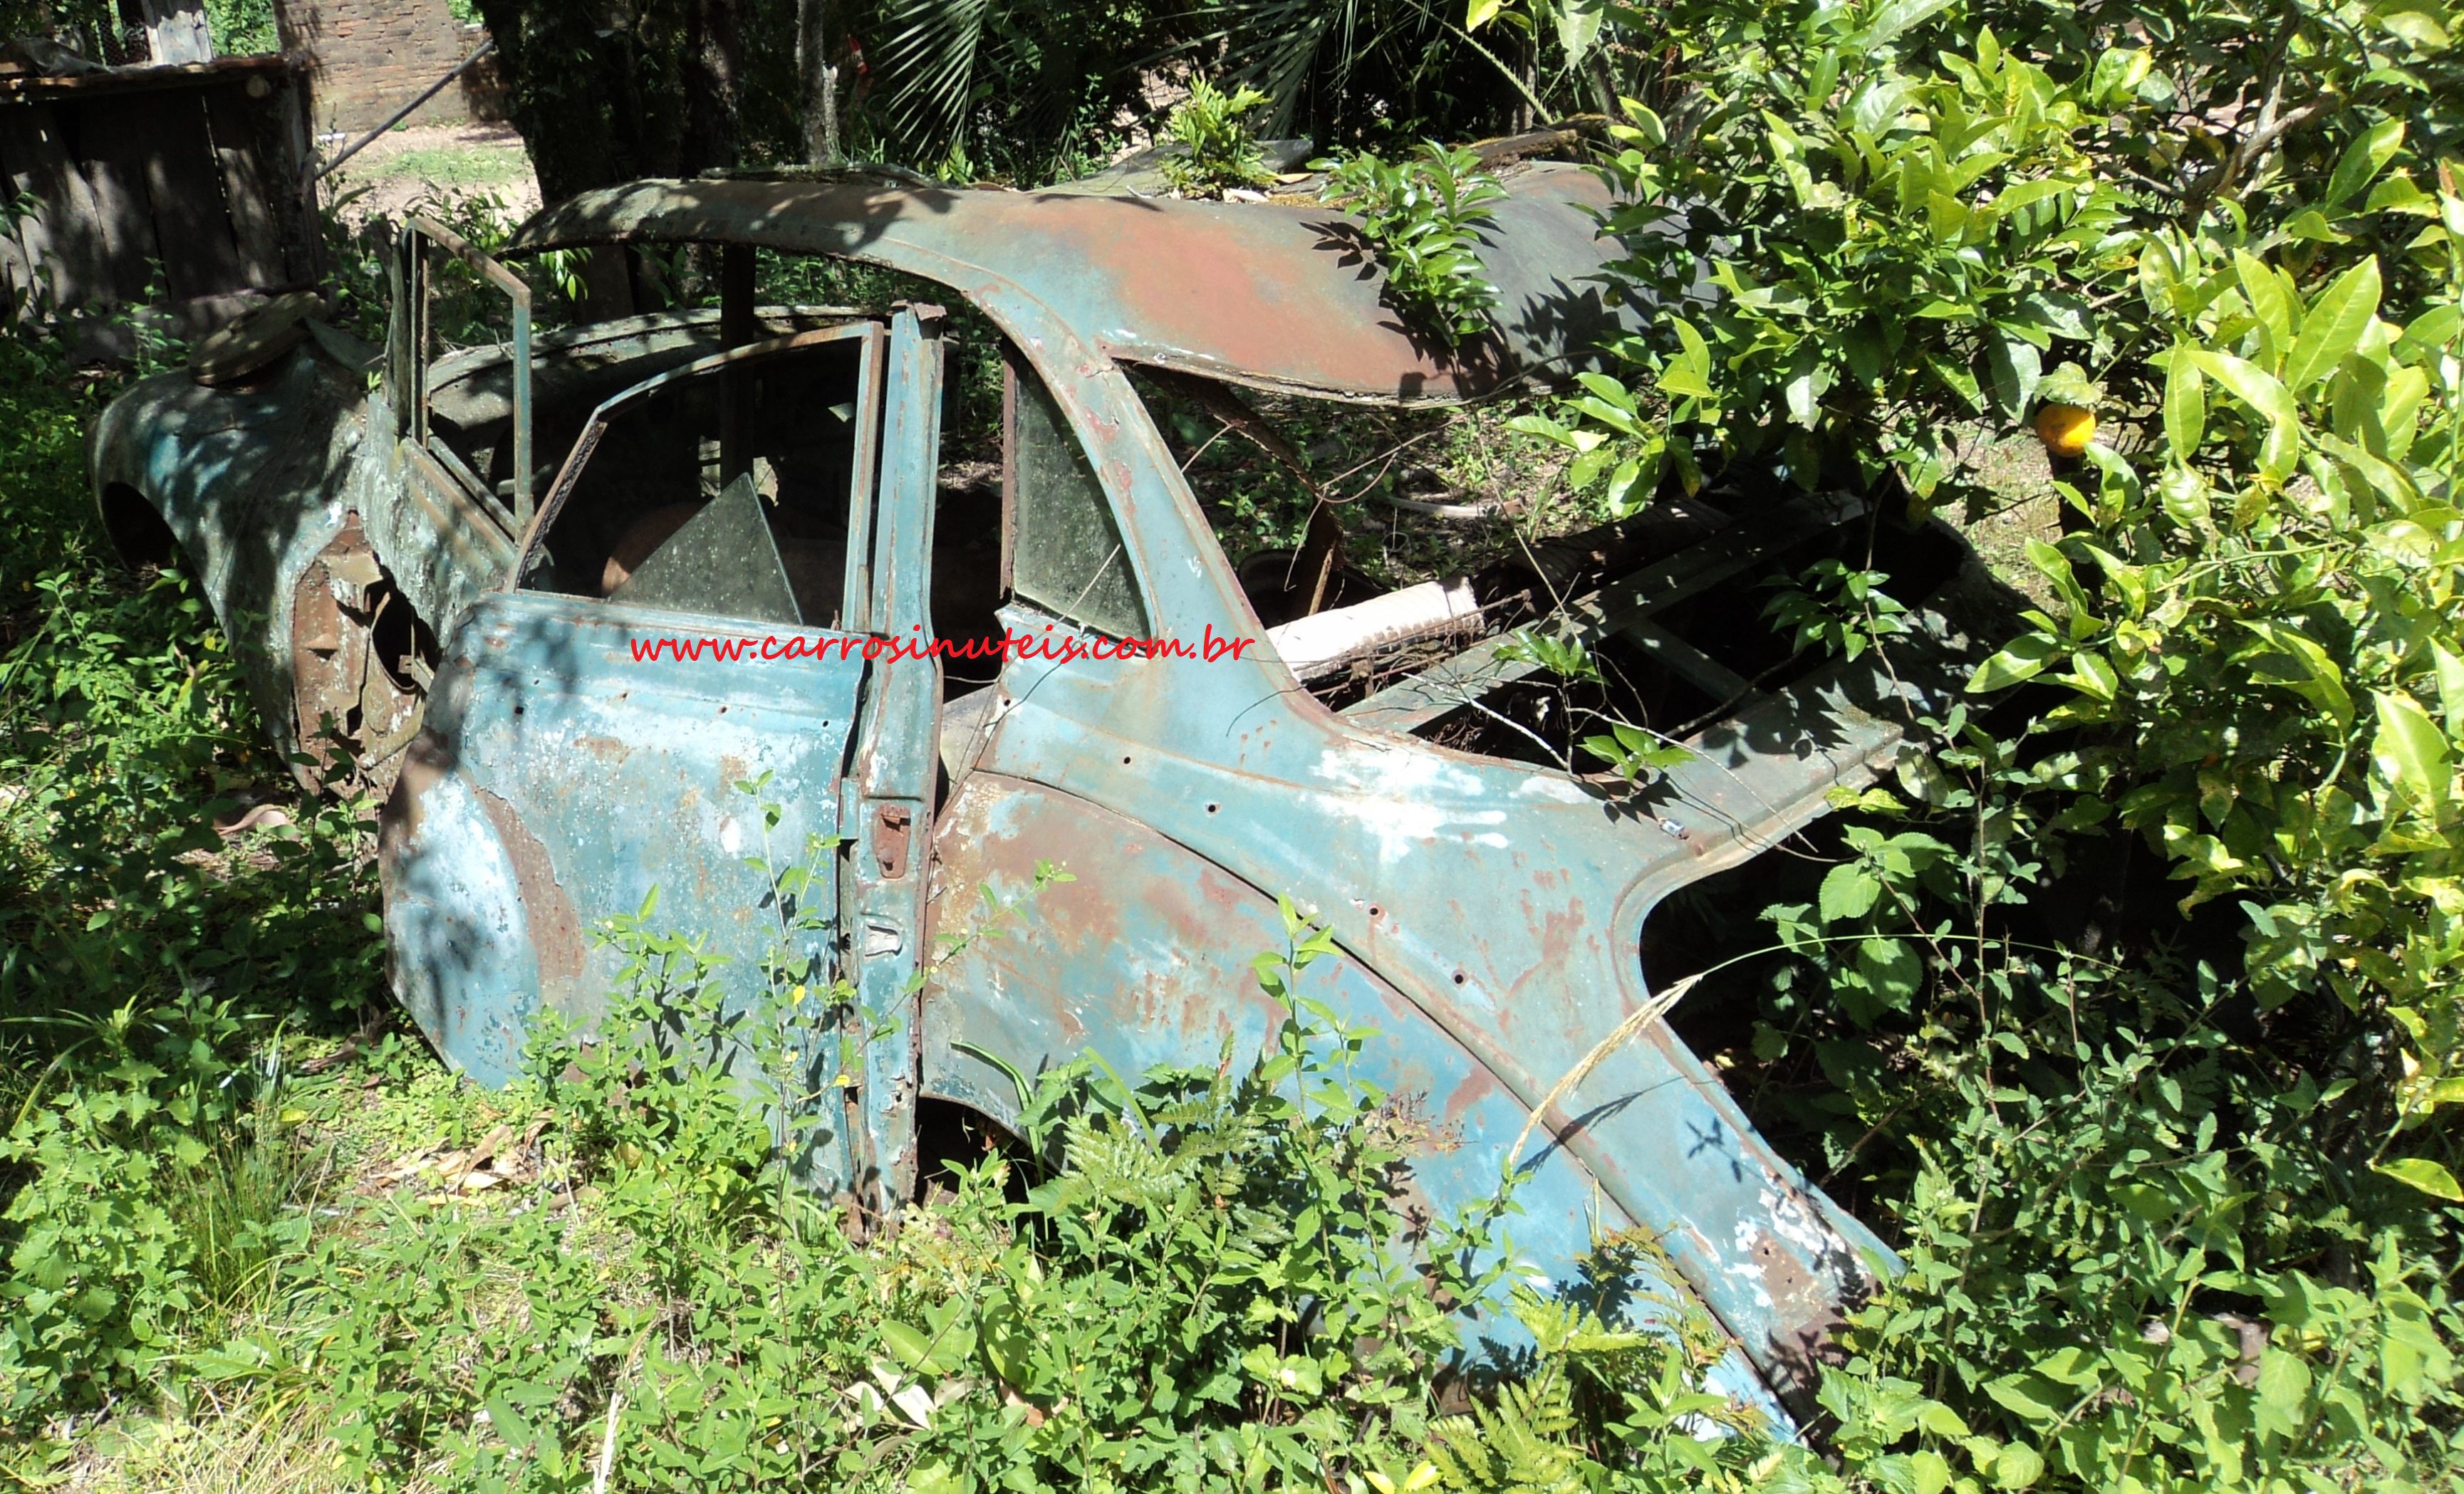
(1422, 217)
(1218, 149)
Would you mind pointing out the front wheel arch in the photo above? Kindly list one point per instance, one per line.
(139, 533)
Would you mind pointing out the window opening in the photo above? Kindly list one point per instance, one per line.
(465, 303)
(1454, 530)
(1067, 556)
(721, 560)
(653, 516)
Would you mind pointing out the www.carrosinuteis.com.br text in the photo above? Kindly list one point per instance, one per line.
(1060, 646)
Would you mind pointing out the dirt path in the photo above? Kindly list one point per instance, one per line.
(444, 163)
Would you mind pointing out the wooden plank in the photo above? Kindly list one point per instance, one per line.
(64, 241)
(111, 152)
(20, 176)
(140, 79)
(1409, 704)
(286, 150)
(236, 143)
(184, 189)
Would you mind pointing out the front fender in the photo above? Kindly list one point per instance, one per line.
(248, 482)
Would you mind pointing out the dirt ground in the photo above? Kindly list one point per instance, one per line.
(440, 162)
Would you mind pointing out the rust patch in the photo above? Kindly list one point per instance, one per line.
(556, 932)
(1477, 1086)
(422, 768)
(345, 614)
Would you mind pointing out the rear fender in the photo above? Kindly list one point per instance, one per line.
(1144, 957)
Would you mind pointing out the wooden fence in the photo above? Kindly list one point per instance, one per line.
(180, 188)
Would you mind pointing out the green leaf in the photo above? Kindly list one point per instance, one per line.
(1480, 13)
(2020, 1467)
(509, 1423)
(1891, 968)
(2185, 405)
(2332, 329)
(2270, 300)
(2450, 687)
(1848, 892)
(1804, 405)
(2283, 1392)
(2025, 1396)
(2024, 659)
(1689, 375)
(1892, 20)
(2422, 1174)
(2264, 392)
(2308, 673)
(1579, 27)
(2016, 366)
(1931, 1470)
(908, 1344)
(2362, 160)
(2411, 749)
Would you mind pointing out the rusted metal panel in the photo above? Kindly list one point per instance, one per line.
(253, 482)
(555, 760)
(887, 796)
(1164, 977)
(1508, 906)
(1279, 295)
(345, 615)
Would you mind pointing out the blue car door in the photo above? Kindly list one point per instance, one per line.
(667, 711)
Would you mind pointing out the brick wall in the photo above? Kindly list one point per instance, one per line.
(372, 56)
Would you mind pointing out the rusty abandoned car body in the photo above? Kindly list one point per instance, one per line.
(446, 563)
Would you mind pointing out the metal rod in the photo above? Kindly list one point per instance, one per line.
(405, 112)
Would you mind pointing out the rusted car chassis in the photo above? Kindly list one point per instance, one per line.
(440, 575)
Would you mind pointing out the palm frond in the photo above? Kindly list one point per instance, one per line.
(929, 65)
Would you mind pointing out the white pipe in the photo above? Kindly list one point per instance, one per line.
(1324, 643)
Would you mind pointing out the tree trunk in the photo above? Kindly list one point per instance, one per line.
(713, 63)
(820, 82)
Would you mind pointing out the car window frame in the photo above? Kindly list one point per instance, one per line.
(874, 337)
(1017, 368)
(412, 333)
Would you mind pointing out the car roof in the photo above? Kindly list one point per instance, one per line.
(1275, 294)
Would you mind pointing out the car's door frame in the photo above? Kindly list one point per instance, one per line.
(440, 531)
(411, 333)
(886, 799)
(868, 417)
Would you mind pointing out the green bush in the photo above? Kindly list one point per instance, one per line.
(2138, 1253)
